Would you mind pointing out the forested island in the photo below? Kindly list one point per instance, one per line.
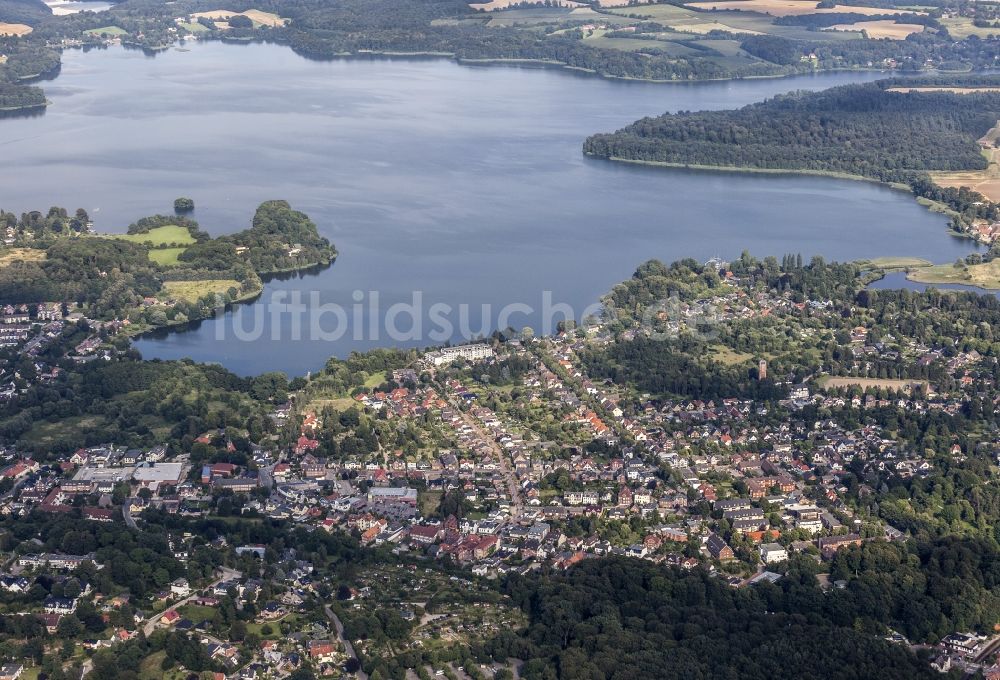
(893, 131)
(164, 271)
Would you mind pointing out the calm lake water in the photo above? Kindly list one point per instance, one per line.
(464, 184)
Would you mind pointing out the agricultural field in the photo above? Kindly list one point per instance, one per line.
(258, 17)
(784, 8)
(987, 181)
(160, 237)
(192, 291)
(193, 27)
(961, 28)
(686, 20)
(107, 31)
(11, 255)
(883, 28)
(16, 30)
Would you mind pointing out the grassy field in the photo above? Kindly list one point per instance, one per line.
(258, 17)
(167, 257)
(16, 30)
(986, 275)
(728, 356)
(161, 236)
(193, 27)
(883, 28)
(987, 181)
(962, 27)
(829, 382)
(10, 255)
(46, 433)
(687, 20)
(194, 290)
(893, 263)
(107, 30)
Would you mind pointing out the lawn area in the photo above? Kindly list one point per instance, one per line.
(167, 257)
(9, 255)
(893, 263)
(194, 290)
(107, 30)
(196, 612)
(986, 275)
(193, 27)
(961, 28)
(275, 633)
(161, 236)
(374, 380)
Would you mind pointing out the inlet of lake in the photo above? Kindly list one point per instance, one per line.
(440, 184)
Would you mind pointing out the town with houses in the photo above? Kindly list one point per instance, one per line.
(519, 460)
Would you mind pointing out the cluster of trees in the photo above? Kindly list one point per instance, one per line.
(617, 618)
(859, 129)
(125, 399)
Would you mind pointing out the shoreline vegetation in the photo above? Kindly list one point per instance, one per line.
(164, 272)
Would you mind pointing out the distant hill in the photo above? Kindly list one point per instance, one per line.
(23, 11)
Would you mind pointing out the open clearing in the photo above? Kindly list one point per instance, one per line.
(883, 28)
(107, 31)
(987, 181)
(785, 8)
(167, 257)
(161, 236)
(986, 275)
(191, 291)
(10, 255)
(14, 29)
(828, 382)
(258, 17)
(894, 263)
(961, 28)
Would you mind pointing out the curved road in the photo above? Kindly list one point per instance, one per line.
(347, 643)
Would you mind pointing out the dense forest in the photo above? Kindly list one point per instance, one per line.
(865, 130)
(616, 618)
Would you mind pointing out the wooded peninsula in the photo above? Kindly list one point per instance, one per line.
(165, 271)
(892, 131)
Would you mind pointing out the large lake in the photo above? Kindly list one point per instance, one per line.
(465, 184)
